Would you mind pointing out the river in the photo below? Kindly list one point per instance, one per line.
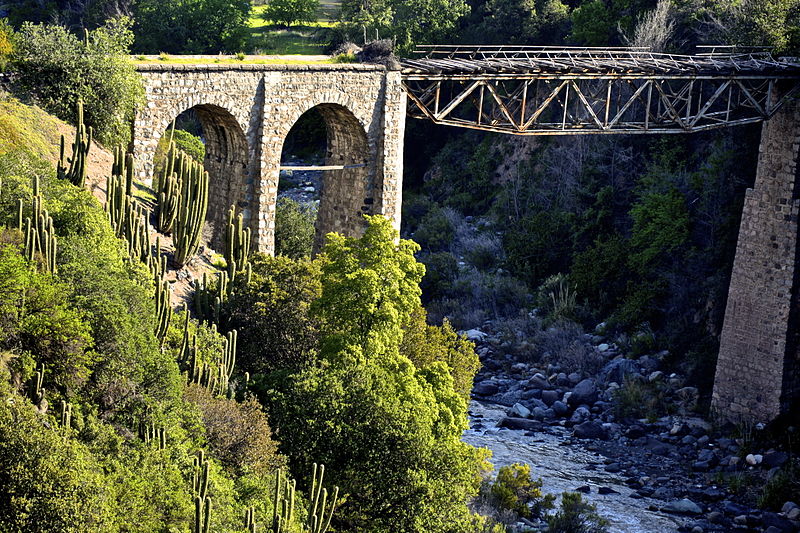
(565, 468)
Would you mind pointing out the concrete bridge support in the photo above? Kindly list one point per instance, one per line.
(247, 111)
(758, 370)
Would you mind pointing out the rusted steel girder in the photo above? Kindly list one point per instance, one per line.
(563, 105)
(540, 91)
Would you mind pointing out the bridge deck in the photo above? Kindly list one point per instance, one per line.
(528, 90)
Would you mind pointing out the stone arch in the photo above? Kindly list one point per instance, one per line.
(227, 161)
(349, 193)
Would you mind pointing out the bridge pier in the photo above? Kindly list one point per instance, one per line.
(758, 370)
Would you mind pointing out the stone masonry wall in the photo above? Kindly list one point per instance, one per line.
(757, 369)
(247, 111)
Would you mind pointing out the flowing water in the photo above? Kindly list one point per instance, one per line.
(565, 468)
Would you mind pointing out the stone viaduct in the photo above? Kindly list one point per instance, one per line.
(247, 111)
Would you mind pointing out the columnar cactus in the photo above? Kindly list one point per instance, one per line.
(75, 173)
(319, 518)
(250, 519)
(202, 502)
(237, 243)
(163, 310)
(40, 236)
(191, 214)
(168, 189)
(128, 217)
(66, 417)
(208, 299)
(283, 503)
(37, 393)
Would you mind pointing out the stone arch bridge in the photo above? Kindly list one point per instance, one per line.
(247, 111)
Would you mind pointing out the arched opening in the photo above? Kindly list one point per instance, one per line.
(325, 170)
(225, 158)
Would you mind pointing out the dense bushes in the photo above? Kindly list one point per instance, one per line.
(60, 69)
(353, 378)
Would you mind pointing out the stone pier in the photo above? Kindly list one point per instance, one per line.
(758, 371)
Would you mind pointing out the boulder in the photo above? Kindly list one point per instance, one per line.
(520, 411)
(485, 388)
(560, 408)
(520, 423)
(773, 459)
(589, 430)
(549, 397)
(538, 381)
(584, 392)
(754, 459)
(617, 369)
(683, 506)
(474, 335)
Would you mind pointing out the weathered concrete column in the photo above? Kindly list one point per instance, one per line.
(757, 370)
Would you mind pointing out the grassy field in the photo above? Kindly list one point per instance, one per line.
(269, 38)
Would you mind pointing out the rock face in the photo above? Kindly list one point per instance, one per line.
(247, 111)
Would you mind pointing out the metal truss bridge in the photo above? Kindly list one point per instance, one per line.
(526, 90)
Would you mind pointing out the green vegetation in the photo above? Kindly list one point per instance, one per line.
(515, 491)
(576, 515)
(59, 70)
(294, 228)
(289, 12)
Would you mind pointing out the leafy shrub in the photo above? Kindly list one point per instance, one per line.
(294, 228)
(555, 299)
(484, 251)
(516, 491)
(59, 69)
(536, 246)
(6, 43)
(276, 329)
(425, 344)
(576, 515)
(441, 271)
(563, 344)
(636, 399)
(238, 433)
(195, 26)
(185, 141)
(436, 231)
(388, 431)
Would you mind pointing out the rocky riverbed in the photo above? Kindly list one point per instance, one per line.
(657, 475)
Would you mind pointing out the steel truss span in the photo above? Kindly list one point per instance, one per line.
(557, 91)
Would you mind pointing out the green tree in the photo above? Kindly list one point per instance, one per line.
(294, 228)
(288, 12)
(388, 431)
(60, 69)
(409, 21)
(271, 314)
(191, 27)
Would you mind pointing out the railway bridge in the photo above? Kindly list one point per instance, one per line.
(247, 111)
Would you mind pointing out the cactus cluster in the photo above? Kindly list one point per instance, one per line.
(202, 501)
(168, 187)
(129, 219)
(40, 236)
(163, 309)
(66, 417)
(250, 520)
(191, 214)
(208, 297)
(37, 394)
(320, 509)
(213, 376)
(182, 201)
(320, 513)
(74, 169)
(237, 243)
(148, 432)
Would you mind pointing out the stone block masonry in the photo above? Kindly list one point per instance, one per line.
(757, 371)
(247, 112)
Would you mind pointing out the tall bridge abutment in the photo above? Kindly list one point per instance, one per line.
(247, 111)
(758, 369)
